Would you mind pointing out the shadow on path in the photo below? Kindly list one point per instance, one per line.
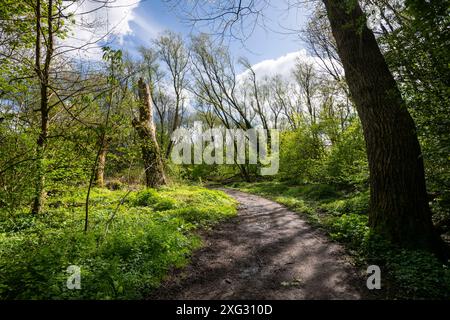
(266, 252)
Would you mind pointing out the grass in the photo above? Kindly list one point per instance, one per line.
(406, 274)
(127, 252)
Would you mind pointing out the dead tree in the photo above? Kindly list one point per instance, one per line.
(144, 126)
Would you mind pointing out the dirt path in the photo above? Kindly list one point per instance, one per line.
(266, 252)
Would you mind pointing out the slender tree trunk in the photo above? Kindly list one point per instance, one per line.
(176, 122)
(39, 196)
(100, 169)
(151, 155)
(398, 202)
(43, 75)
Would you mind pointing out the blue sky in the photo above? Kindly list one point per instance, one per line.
(130, 24)
(153, 16)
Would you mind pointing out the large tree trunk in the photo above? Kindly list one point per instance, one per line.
(398, 202)
(151, 155)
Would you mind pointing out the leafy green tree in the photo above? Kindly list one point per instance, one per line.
(301, 153)
(399, 207)
(415, 40)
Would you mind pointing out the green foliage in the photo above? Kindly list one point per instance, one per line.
(346, 163)
(151, 198)
(319, 191)
(350, 228)
(300, 154)
(418, 275)
(16, 166)
(411, 274)
(131, 245)
(417, 51)
(17, 29)
(308, 191)
(135, 255)
(306, 158)
(357, 203)
(125, 254)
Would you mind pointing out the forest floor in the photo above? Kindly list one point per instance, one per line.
(265, 252)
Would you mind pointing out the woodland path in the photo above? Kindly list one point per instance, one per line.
(265, 252)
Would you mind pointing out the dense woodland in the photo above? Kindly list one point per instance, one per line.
(86, 176)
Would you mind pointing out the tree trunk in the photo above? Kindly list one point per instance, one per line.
(151, 155)
(43, 76)
(100, 169)
(398, 202)
(174, 127)
(39, 195)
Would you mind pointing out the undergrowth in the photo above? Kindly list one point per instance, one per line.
(133, 240)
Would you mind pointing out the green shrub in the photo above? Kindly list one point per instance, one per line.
(346, 162)
(153, 199)
(115, 184)
(319, 192)
(350, 228)
(301, 153)
(418, 275)
(356, 204)
(408, 274)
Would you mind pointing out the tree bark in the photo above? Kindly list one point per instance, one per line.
(174, 125)
(398, 202)
(151, 155)
(43, 76)
(100, 169)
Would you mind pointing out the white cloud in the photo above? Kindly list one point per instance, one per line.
(147, 27)
(97, 21)
(282, 66)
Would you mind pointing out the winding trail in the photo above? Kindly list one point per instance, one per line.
(266, 252)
